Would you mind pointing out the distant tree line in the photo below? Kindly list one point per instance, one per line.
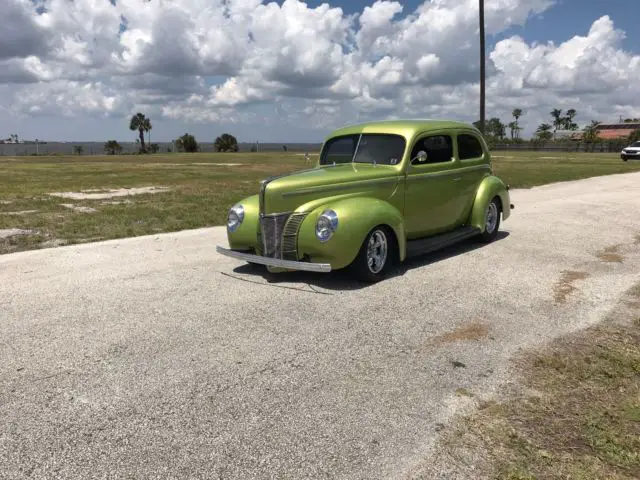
(496, 132)
(185, 143)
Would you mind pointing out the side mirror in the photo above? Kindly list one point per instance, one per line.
(421, 157)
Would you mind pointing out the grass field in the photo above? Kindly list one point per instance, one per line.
(576, 414)
(200, 189)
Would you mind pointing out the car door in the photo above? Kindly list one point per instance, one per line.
(473, 166)
(431, 204)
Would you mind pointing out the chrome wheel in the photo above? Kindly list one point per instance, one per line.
(492, 217)
(377, 251)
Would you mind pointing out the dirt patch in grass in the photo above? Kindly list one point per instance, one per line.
(217, 164)
(111, 193)
(565, 286)
(465, 333)
(117, 202)
(19, 212)
(575, 413)
(13, 232)
(78, 208)
(611, 254)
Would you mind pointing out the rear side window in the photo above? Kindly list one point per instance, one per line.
(439, 148)
(469, 147)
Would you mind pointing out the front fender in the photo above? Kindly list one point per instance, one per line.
(245, 237)
(490, 187)
(356, 218)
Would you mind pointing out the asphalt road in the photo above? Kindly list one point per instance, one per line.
(154, 357)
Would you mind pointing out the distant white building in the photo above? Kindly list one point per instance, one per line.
(11, 139)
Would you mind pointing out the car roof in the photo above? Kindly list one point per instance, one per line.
(406, 127)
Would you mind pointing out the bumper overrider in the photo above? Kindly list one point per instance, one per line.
(275, 262)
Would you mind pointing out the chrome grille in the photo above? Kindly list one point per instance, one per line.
(290, 236)
(279, 235)
(271, 227)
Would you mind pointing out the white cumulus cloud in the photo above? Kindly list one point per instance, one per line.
(214, 60)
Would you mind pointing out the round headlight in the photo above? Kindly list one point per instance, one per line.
(235, 217)
(327, 224)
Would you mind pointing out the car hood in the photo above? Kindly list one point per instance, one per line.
(289, 192)
(632, 149)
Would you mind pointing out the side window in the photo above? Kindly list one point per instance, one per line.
(469, 147)
(439, 149)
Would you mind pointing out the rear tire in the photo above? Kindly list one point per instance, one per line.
(491, 221)
(376, 255)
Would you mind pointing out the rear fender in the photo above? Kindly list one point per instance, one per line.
(490, 187)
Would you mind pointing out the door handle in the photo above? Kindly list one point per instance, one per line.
(457, 179)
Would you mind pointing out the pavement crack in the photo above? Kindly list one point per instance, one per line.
(271, 367)
(313, 290)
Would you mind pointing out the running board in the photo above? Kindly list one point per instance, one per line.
(441, 240)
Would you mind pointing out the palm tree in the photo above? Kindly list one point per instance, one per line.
(544, 131)
(571, 113)
(557, 121)
(482, 66)
(142, 124)
(517, 113)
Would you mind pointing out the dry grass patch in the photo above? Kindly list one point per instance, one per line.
(565, 286)
(465, 333)
(576, 414)
(611, 254)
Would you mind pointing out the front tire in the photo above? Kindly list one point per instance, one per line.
(376, 255)
(491, 221)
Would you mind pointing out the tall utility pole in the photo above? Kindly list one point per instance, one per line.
(482, 73)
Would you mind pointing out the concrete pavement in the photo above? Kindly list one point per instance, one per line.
(155, 357)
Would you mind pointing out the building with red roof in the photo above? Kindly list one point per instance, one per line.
(616, 131)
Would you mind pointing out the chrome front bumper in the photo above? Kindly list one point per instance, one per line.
(275, 262)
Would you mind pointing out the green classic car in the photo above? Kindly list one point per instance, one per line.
(380, 193)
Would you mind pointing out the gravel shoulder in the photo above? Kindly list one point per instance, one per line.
(155, 356)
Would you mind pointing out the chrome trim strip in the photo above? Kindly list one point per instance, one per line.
(446, 173)
(274, 262)
(342, 186)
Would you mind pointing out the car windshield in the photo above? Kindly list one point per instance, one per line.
(635, 144)
(383, 149)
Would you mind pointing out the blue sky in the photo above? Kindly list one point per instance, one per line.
(568, 17)
(71, 74)
(561, 21)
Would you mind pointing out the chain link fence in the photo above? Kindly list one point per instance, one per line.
(129, 148)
